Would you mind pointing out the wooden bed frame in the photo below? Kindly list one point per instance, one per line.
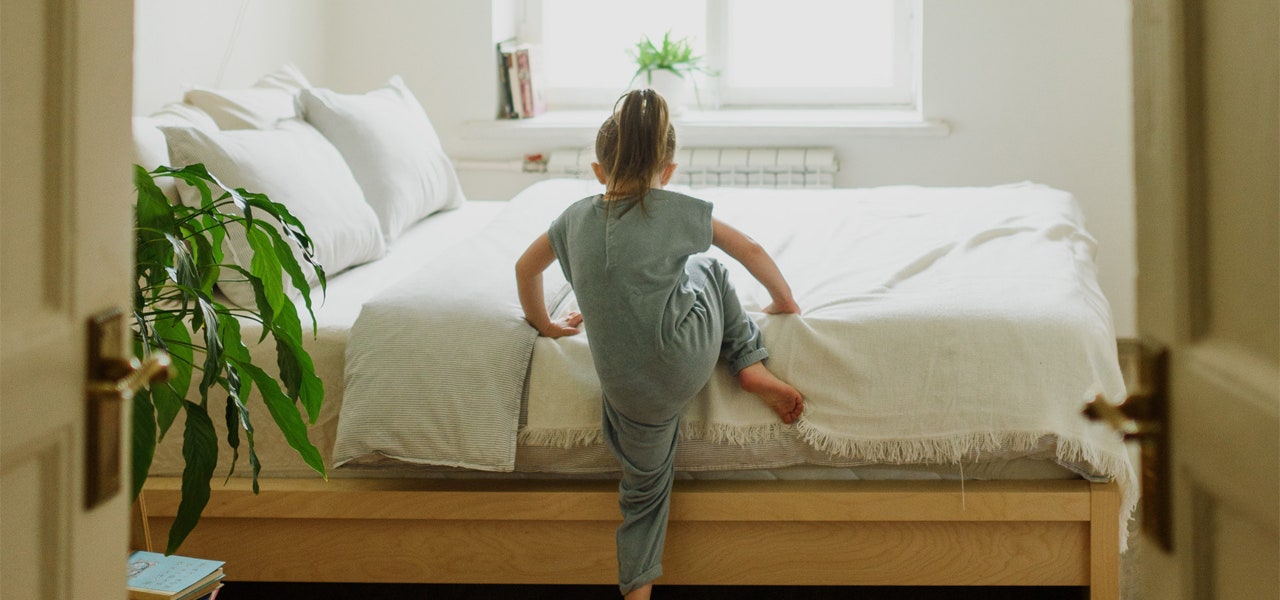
(919, 533)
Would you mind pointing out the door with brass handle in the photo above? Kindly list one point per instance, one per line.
(1143, 417)
(114, 376)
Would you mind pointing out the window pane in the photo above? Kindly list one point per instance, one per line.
(585, 42)
(810, 43)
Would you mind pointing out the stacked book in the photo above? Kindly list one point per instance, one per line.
(158, 577)
(520, 80)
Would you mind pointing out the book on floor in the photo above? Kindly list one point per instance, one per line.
(155, 576)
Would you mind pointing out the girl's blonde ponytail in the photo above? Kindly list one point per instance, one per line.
(635, 143)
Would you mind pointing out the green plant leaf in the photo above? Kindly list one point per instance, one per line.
(209, 317)
(183, 270)
(172, 337)
(144, 441)
(242, 414)
(254, 464)
(265, 266)
(291, 228)
(302, 384)
(195, 176)
(232, 416)
(207, 260)
(284, 253)
(281, 407)
(200, 451)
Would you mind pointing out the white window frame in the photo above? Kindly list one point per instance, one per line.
(716, 93)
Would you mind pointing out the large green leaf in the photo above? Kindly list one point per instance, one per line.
(144, 441)
(168, 395)
(281, 407)
(291, 228)
(241, 411)
(302, 382)
(265, 266)
(232, 416)
(211, 319)
(284, 253)
(200, 450)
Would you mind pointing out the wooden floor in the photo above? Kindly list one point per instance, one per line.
(336, 591)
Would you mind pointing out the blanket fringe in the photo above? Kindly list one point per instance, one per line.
(560, 438)
(723, 433)
(955, 449)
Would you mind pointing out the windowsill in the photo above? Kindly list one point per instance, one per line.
(726, 126)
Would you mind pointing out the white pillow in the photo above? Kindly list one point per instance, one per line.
(295, 166)
(268, 101)
(392, 149)
(150, 149)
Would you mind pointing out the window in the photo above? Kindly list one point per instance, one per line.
(801, 53)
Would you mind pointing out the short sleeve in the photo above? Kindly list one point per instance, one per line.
(556, 233)
(704, 225)
(690, 225)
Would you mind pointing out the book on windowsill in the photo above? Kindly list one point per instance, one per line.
(520, 80)
(529, 62)
(508, 72)
(155, 576)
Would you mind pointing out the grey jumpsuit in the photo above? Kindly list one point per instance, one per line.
(659, 319)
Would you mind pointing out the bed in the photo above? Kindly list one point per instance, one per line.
(950, 337)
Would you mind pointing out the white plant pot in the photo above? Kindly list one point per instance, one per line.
(676, 90)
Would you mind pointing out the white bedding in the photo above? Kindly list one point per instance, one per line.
(941, 325)
(430, 239)
(781, 457)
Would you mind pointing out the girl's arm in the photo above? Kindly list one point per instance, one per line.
(529, 270)
(758, 262)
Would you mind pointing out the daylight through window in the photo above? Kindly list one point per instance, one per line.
(801, 53)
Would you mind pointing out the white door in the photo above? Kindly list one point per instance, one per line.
(1207, 135)
(65, 254)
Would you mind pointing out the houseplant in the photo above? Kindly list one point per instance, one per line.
(179, 256)
(669, 68)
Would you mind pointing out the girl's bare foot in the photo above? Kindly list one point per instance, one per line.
(775, 393)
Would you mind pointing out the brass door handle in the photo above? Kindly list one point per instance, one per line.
(1129, 418)
(126, 378)
(1144, 416)
(114, 377)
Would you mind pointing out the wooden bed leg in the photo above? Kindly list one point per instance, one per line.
(1104, 541)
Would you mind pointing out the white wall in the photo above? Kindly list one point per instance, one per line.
(180, 43)
(1033, 90)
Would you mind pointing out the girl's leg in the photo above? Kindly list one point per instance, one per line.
(742, 345)
(647, 455)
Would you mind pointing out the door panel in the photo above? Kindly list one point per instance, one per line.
(1207, 148)
(65, 253)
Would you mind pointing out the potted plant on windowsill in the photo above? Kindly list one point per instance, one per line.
(179, 257)
(669, 68)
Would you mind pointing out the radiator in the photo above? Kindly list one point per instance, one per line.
(725, 167)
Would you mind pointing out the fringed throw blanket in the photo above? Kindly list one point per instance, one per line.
(939, 324)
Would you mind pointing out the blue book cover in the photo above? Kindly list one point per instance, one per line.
(154, 572)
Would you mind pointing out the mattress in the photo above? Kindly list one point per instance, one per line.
(435, 238)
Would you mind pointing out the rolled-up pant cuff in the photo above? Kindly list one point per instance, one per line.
(641, 580)
(747, 360)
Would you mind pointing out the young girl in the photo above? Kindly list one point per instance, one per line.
(661, 315)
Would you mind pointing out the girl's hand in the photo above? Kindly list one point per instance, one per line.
(779, 307)
(562, 327)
